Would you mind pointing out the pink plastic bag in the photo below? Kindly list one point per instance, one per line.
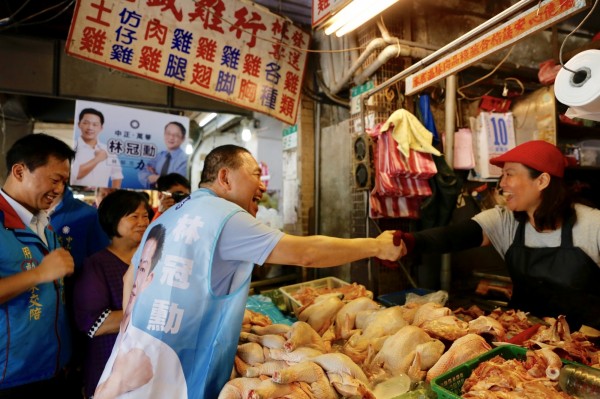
(548, 71)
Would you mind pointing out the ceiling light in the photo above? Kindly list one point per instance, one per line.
(354, 15)
(189, 149)
(246, 134)
(207, 119)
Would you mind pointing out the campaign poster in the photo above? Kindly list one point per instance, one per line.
(123, 147)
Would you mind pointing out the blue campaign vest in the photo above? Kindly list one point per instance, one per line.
(179, 307)
(35, 340)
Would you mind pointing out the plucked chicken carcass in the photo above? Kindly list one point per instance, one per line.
(379, 324)
(465, 348)
(344, 320)
(301, 334)
(430, 311)
(485, 325)
(409, 351)
(295, 356)
(346, 376)
(268, 389)
(266, 368)
(278, 328)
(310, 373)
(252, 318)
(448, 327)
(239, 388)
(272, 341)
(320, 315)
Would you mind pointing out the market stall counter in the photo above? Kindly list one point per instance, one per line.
(330, 339)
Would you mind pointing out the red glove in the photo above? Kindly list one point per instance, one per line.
(398, 237)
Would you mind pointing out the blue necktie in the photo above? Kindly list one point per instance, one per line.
(165, 167)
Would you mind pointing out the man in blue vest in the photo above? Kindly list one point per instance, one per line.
(35, 341)
(189, 316)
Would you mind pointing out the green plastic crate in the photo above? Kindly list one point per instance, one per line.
(449, 384)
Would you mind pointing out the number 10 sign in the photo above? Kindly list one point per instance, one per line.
(495, 135)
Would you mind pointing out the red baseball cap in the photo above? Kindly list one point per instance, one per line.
(536, 154)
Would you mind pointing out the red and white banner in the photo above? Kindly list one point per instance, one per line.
(229, 50)
(541, 16)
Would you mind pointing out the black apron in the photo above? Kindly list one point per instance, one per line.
(555, 281)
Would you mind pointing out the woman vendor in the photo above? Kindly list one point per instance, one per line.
(550, 243)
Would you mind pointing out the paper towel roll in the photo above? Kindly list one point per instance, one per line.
(580, 91)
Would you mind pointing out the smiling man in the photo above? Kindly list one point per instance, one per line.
(34, 328)
(94, 166)
(200, 283)
(172, 160)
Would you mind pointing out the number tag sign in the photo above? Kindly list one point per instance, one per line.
(494, 134)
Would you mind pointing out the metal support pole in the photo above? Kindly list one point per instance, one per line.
(450, 128)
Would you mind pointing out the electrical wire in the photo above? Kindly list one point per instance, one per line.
(560, 52)
(21, 22)
(54, 16)
(459, 90)
(10, 18)
(521, 85)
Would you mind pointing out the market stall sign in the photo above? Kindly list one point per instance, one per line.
(321, 9)
(228, 50)
(537, 18)
(290, 137)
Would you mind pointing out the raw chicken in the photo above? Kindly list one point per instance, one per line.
(268, 389)
(301, 334)
(350, 387)
(465, 348)
(429, 311)
(345, 375)
(379, 325)
(448, 327)
(272, 341)
(338, 363)
(310, 373)
(239, 388)
(251, 353)
(295, 356)
(266, 368)
(488, 325)
(344, 320)
(278, 328)
(320, 315)
(409, 351)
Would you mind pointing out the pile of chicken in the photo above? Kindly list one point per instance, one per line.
(347, 348)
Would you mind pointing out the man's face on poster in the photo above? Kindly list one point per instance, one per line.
(90, 126)
(173, 137)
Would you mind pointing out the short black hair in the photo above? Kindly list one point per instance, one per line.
(158, 233)
(34, 150)
(179, 125)
(116, 206)
(227, 155)
(165, 182)
(92, 111)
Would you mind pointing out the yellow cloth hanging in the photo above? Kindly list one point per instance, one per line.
(409, 133)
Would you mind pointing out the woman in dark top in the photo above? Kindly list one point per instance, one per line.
(98, 297)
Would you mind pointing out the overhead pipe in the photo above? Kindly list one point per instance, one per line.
(391, 51)
(396, 48)
(371, 47)
(509, 12)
